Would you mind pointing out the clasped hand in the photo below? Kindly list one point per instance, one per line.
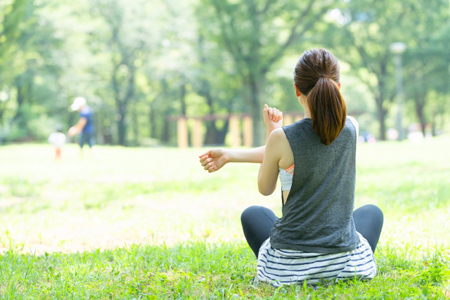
(273, 118)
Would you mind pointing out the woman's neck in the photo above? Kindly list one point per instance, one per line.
(307, 112)
(303, 101)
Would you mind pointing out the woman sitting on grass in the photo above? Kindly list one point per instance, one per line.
(319, 235)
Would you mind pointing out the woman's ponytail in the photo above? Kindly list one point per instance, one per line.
(317, 77)
(328, 110)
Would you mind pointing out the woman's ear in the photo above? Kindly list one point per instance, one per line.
(297, 91)
(339, 85)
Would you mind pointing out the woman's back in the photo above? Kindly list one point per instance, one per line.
(317, 215)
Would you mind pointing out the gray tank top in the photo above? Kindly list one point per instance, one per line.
(318, 214)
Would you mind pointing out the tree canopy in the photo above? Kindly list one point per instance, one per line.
(142, 64)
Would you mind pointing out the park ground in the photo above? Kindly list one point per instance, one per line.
(140, 223)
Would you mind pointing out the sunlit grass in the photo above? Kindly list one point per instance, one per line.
(151, 222)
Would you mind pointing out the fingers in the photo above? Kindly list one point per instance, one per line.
(207, 153)
(272, 113)
(208, 163)
(266, 111)
(205, 160)
(278, 116)
(210, 167)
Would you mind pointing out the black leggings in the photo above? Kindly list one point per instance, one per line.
(257, 221)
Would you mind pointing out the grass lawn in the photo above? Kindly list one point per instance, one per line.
(143, 223)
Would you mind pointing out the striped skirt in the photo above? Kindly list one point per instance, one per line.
(279, 267)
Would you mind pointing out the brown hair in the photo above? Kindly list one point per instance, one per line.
(317, 76)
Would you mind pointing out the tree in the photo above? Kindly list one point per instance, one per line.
(218, 84)
(427, 60)
(256, 34)
(362, 35)
(126, 40)
(10, 16)
(29, 71)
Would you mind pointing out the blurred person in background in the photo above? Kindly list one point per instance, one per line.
(319, 236)
(57, 139)
(85, 125)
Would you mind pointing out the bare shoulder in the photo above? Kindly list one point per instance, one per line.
(278, 138)
(280, 144)
(278, 134)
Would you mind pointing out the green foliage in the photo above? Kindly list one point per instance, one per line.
(28, 71)
(140, 63)
(362, 32)
(255, 35)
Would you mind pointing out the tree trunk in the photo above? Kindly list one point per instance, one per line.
(420, 104)
(183, 99)
(122, 102)
(212, 133)
(2, 128)
(221, 134)
(20, 99)
(166, 129)
(256, 111)
(152, 122)
(211, 136)
(381, 115)
(433, 124)
(135, 126)
(381, 111)
(2, 111)
(122, 129)
(121, 125)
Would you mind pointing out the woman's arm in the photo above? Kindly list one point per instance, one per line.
(255, 155)
(214, 159)
(268, 172)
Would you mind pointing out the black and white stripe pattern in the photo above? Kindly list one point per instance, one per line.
(278, 267)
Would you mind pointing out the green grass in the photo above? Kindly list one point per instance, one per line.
(150, 223)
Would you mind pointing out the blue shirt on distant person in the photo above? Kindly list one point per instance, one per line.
(86, 112)
(85, 125)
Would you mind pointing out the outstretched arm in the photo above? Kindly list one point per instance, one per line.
(214, 159)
